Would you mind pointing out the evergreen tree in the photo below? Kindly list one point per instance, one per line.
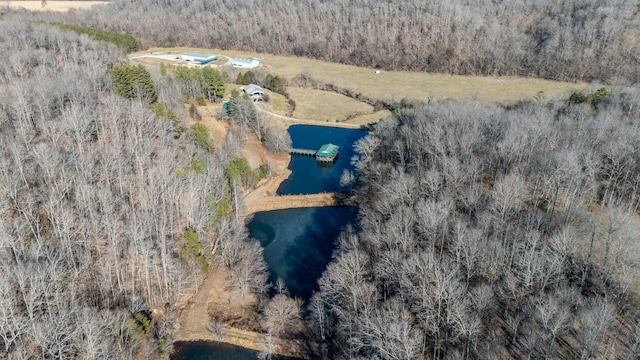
(247, 78)
(133, 81)
(123, 80)
(213, 83)
(275, 84)
(240, 79)
(145, 87)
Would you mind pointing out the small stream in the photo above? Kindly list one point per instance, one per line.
(298, 243)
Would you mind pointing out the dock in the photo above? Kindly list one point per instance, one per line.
(303, 152)
(327, 152)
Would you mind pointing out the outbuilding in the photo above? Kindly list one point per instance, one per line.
(198, 58)
(245, 63)
(253, 89)
(327, 152)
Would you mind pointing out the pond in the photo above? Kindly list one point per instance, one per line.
(307, 175)
(213, 350)
(298, 243)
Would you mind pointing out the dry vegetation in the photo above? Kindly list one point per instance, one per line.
(321, 105)
(51, 5)
(485, 234)
(397, 85)
(486, 231)
(369, 118)
(552, 39)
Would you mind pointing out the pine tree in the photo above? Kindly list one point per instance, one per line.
(213, 83)
(144, 84)
(133, 81)
(123, 80)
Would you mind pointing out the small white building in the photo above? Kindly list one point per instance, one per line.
(198, 58)
(253, 89)
(255, 92)
(245, 63)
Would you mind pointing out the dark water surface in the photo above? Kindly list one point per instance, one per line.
(307, 176)
(212, 350)
(298, 243)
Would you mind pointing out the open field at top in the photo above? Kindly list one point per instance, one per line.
(51, 5)
(396, 85)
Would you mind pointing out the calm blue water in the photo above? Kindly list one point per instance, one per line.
(298, 243)
(212, 350)
(307, 176)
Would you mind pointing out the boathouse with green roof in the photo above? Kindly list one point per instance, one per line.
(327, 152)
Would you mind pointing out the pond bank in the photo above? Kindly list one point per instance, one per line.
(215, 291)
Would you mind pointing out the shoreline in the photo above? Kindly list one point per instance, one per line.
(249, 340)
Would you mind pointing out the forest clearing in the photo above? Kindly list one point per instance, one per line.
(395, 85)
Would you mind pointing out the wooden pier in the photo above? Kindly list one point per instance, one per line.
(326, 154)
(303, 152)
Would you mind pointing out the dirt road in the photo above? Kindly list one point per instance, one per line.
(286, 121)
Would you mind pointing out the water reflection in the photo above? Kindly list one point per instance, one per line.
(213, 350)
(307, 175)
(298, 243)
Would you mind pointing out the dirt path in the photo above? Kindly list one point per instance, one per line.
(286, 121)
(216, 296)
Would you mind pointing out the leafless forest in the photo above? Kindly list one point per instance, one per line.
(556, 39)
(485, 231)
(491, 233)
(96, 195)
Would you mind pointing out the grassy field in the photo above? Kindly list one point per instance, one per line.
(369, 118)
(325, 106)
(397, 85)
(51, 5)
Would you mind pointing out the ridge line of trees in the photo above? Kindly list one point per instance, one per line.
(566, 40)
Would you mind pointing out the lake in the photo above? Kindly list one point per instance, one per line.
(309, 177)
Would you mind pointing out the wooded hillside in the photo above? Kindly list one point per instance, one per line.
(109, 209)
(492, 233)
(564, 40)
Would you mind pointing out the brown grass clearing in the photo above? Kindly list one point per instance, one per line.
(369, 118)
(217, 129)
(321, 105)
(277, 104)
(62, 6)
(396, 85)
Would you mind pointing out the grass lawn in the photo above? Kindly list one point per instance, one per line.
(369, 118)
(325, 106)
(277, 103)
(396, 85)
